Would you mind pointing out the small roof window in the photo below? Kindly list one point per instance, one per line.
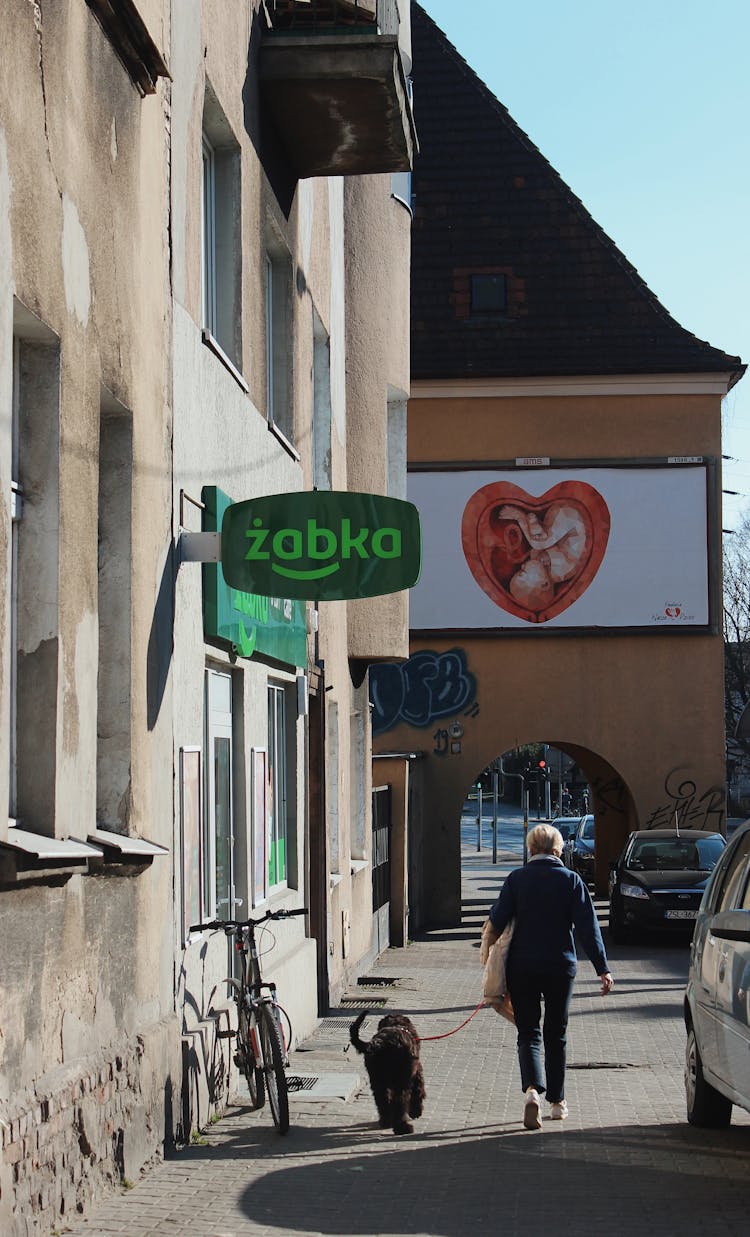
(489, 294)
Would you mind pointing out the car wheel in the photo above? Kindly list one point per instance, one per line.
(705, 1105)
(617, 930)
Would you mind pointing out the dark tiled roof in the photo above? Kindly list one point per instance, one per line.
(487, 201)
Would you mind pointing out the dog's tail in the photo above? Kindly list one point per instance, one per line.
(359, 1044)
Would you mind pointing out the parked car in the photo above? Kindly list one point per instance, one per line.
(717, 998)
(566, 825)
(659, 880)
(578, 852)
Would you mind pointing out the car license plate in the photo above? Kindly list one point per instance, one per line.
(680, 914)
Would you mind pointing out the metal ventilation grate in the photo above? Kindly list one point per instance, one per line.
(356, 1002)
(377, 981)
(295, 1083)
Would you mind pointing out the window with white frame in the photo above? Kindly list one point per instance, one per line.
(321, 428)
(279, 342)
(208, 237)
(221, 302)
(278, 780)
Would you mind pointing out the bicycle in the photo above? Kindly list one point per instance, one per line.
(261, 1051)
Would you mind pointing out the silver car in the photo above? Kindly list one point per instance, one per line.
(717, 1000)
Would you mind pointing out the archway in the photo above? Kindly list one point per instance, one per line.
(436, 834)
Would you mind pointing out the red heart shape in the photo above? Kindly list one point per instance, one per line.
(535, 556)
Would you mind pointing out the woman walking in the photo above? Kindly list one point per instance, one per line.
(546, 903)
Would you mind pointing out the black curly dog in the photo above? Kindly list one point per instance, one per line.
(394, 1069)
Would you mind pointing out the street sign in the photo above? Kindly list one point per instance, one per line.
(321, 545)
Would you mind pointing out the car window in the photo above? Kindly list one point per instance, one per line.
(587, 828)
(734, 876)
(676, 854)
(746, 900)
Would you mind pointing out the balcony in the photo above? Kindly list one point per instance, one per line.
(332, 79)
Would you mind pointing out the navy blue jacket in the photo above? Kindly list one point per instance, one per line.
(547, 902)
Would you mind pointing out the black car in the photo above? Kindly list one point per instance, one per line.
(578, 852)
(566, 825)
(659, 879)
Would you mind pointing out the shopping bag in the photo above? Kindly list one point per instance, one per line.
(495, 987)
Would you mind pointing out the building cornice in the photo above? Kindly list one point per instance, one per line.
(578, 385)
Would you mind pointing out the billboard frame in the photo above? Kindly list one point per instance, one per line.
(519, 465)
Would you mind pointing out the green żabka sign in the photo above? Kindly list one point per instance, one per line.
(250, 623)
(322, 545)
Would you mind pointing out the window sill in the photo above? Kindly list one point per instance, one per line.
(359, 865)
(281, 437)
(334, 879)
(214, 346)
(27, 857)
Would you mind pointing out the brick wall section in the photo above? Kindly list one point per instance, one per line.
(486, 198)
(84, 1130)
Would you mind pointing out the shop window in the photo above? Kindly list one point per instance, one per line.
(279, 767)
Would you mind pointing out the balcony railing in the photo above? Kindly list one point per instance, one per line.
(335, 16)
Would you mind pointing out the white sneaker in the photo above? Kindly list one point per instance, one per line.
(531, 1118)
(559, 1111)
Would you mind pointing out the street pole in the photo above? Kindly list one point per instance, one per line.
(494, 815)
(547, 787)
(525, 825)
(479, 816)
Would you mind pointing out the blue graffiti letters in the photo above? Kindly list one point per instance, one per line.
(428, 686)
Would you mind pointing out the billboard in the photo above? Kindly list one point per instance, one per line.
(561, 548)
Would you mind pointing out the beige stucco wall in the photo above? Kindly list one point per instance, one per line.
(642, 714)
(347, 245)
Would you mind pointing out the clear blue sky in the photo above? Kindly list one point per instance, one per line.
(644, 110)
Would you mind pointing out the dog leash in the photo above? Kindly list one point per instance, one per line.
(423, 1039)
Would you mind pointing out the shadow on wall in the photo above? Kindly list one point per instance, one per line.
(161, 639)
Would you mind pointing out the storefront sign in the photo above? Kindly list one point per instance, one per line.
(321, 545)
(248, 622)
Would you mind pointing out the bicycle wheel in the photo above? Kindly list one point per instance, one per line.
(273, 1066)
(253, 1075)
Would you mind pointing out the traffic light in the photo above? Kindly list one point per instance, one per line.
(542, 766)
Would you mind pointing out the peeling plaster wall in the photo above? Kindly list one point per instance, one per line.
(86, 969)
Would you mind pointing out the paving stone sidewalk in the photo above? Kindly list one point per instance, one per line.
(625, 1161)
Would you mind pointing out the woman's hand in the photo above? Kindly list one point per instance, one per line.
(608, 983)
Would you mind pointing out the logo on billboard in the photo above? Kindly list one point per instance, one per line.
(324, 546)
(535, 556)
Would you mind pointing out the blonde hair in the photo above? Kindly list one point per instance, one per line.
(545, 840)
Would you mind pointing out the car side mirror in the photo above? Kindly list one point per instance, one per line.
(731, 926)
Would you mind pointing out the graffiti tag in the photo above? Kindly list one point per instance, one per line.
(687, 806)
(420, 691)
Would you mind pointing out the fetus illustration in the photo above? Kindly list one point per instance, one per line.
(535, 556)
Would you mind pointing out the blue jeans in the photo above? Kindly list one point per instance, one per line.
(526, 993)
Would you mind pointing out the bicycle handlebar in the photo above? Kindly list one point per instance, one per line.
(232, 924)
